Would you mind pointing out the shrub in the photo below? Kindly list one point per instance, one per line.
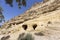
(27, 37)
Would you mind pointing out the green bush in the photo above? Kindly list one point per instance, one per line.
(27, 37)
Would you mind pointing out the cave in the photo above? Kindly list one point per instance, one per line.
(24, 26)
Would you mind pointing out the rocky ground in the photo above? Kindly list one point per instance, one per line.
(40, 22)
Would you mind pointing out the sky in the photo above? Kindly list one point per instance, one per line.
(10, 12)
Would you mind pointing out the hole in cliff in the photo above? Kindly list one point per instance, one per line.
(34, 26)
(49, 22)
(24, 26)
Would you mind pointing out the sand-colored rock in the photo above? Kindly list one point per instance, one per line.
(40, 22)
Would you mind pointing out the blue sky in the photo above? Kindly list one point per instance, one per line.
(10, 12)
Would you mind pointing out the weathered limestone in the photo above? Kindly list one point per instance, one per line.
(41, 22)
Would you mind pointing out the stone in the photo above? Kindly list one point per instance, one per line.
(36, 18)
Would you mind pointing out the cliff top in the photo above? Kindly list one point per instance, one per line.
(34, 12)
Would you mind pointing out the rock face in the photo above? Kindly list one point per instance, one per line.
(40, 22)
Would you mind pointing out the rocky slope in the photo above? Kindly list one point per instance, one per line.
(40, 22)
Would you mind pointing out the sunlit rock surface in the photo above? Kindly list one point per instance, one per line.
(40, 22)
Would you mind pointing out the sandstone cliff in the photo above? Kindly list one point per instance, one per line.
(40, 22)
